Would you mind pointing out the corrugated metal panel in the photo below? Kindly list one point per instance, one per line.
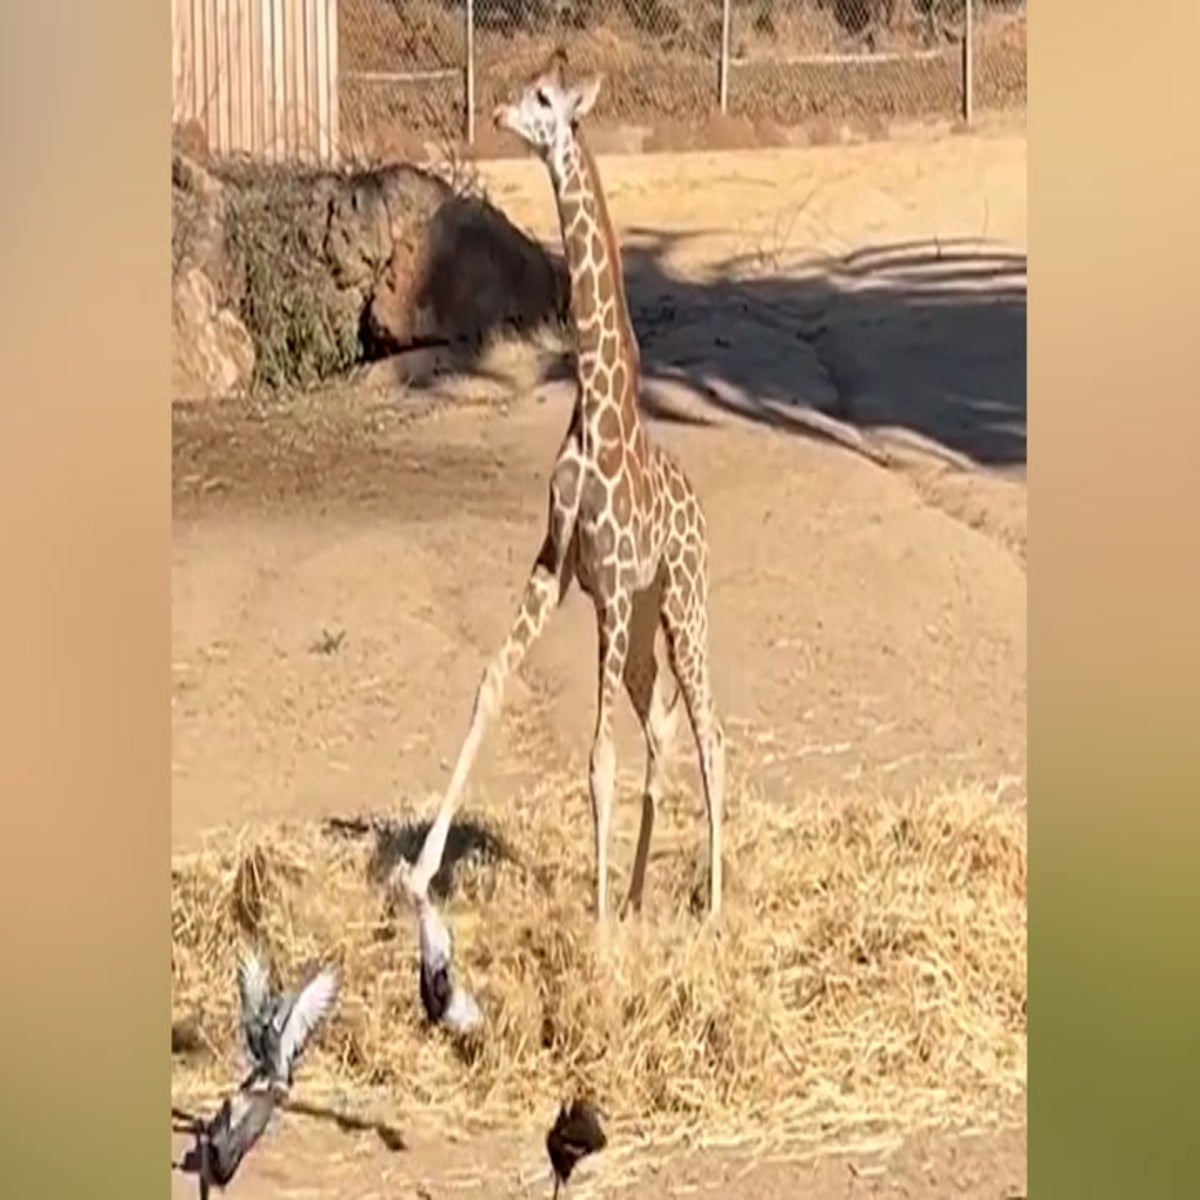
(261, 76)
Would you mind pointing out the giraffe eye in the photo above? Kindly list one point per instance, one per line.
(542, 98)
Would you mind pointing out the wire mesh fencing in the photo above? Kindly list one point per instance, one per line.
(796, 60)
(659, 58)
(402, 68)
(422, 71)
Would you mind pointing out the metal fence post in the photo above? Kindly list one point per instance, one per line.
(723, 66)
(470, 73)
(968, 64)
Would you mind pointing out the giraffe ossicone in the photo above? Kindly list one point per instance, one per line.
(623, 520)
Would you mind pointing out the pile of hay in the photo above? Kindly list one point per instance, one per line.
(871, 965)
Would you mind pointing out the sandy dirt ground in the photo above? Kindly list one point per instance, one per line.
(302, 1162)
(344, 564)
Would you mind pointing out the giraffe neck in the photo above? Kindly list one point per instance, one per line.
(608, 358)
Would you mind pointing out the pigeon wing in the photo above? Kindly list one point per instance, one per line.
(254, 987)
(254, 991)
(462, 1014)
(311, 1006)
(584, 1128)
(237, 1133)
(434, 938)
(254, 1119)
(435, 991)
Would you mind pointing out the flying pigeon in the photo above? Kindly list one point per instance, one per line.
(277, 1025)
(445, 1003)
(226, 1140)
(576, 1133)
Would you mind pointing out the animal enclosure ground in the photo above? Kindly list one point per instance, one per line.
(344, 563)
(302, 1161)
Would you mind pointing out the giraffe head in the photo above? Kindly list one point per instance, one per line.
(547, 111)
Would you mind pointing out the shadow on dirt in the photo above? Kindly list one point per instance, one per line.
(192, 1125)
(918, 342)
(467, 841)
(388, 1134)
(925, 339)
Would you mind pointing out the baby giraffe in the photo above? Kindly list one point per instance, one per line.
(622, 520)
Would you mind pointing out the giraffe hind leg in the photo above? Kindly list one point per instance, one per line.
(646, 685)
(685, 619)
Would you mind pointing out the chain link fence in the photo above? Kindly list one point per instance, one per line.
(419, 71)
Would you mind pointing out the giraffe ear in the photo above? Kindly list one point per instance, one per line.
(583, 97)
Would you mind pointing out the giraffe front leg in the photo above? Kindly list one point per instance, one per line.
(613, 619)
(543, 593)
(544, 590)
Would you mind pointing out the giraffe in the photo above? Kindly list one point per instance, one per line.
(623, 520)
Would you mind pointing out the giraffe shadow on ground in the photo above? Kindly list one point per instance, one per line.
(469, 841)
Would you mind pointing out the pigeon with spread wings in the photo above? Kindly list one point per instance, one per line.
(277, 1025)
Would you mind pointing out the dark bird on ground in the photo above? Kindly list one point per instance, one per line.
(445, 1003)
(226, 1140)
(277, 1025)
(576, 1133)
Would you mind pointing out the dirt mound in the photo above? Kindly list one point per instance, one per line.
(325, 269)
(872, 959)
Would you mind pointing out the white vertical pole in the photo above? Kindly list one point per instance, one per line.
(470, 73)
(723, 68)
(968, 64)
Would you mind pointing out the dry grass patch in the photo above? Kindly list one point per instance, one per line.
(870, 967)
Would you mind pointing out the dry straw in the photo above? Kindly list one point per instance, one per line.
(870, 969)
